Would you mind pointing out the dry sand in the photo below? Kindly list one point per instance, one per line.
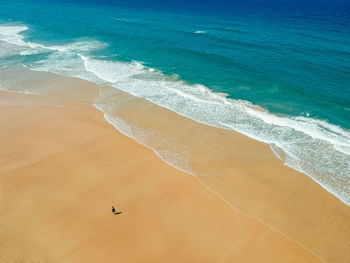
(62, 167)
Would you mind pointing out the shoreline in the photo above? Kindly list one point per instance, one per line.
(223, 170)
(211, 190)
(322, 175)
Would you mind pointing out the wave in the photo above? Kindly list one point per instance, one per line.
(11, 36)
(120, 19)
(315, 147)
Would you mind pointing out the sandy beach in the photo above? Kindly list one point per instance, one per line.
(63, 166)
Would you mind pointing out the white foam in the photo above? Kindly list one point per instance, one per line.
(111, 71)
(12, 31)
(120, 19)
(11, 36)
(199, 32)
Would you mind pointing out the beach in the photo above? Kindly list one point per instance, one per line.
(174, 131)
(187, 192)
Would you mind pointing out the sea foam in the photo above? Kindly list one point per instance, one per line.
(315, 147)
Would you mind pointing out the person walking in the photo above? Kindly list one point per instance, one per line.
(113, 210)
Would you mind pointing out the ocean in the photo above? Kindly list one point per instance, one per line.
(276, 71)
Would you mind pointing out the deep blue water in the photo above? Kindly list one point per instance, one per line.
(289, 57)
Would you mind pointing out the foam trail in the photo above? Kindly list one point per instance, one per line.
(174, 160)
(319, 149)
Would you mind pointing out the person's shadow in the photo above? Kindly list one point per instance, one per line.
(118, 213)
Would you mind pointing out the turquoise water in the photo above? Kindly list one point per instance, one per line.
(210, 61)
